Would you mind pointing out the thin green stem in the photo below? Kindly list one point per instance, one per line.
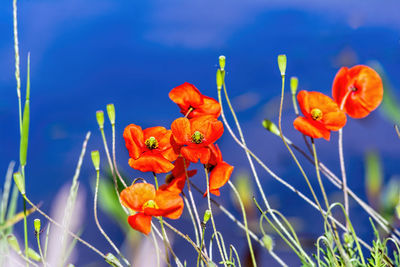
(201, 244)
(334, 230)
(253, 258)
(212, 218)
(156, 247)
(242, 143)
(114, 156)
(98, 223)
(65, 229)
(25, 220)
(162, 228)
(343, 171)
(40, 249)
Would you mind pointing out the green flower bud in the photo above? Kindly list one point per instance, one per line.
(220, 78)
(207, 216)
(100, 118)
(111, 113)
(348, 239)
(222, 62)
(19, 181)
(270, 126)
(96, 159)
(294, 83)
(33, 255)
(112, 260)
(70, 265)
(13, 243)
(282, 64)
(268, 242)
(37, 224)
(398, 210)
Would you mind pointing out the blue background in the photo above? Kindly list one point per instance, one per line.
(86, 54)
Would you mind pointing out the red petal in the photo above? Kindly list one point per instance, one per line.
(181, 130)
(210, 106)
(151, 162)
(310, 128)
(368, 94)
(134, 141)
(136, 195)
(140, 222)
(211, 128)
(186, 96)
(193, 154)
(169, 204)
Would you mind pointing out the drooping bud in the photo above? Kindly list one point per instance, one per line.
(111, 113)
(112, 260)
(270, 126)
(37, 225)
(100, 118)
(268, 242)
(33, 255)
(222, 62)
(13, 243)
(19, 182)
(96, 159)
(294, 83)
(282, 64)
(220, 79)
(207, 216)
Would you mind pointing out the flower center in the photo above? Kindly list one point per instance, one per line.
(197, 137)
(316, 114)
(150, 204)
(151, 143)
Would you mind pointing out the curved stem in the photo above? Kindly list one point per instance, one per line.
(66, 230)
(253, 258)
(243, 144)
(212, 218)
(98, 223)
(114, 156)
(162, 227)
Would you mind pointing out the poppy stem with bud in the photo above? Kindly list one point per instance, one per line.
(37, 225)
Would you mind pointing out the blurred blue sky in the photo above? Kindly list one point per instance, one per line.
(86, 54)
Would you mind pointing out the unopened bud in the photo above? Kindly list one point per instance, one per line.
(220, 78)
(37, 224)
(207, 216)
(398, 210)
(348, 238)
(222, 62)
(282, 64)
(111, 113)
(270, 126)
(294, 83)
(268, 242)
(112, 260)
(20, 183)
(70, 265)
(96, 159)
(100, 118)
(33, 255)
(13, 243)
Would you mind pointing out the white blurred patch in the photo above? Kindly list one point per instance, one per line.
(57, 244)
(146, 255)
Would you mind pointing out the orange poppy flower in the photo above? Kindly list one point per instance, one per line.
(149, 149)
(357, 90)
(147, 202)
(195, 135)
(219, 170)
(187, 97)
(176, 180)
(321, 115)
